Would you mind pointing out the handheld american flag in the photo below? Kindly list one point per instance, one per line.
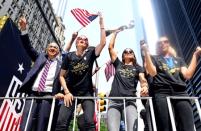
(83, 16)
(109, 70)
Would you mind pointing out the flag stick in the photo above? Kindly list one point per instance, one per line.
(97, 68)
(80, 28)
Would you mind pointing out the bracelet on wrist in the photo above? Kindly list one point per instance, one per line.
(102, 28)
(67, 93)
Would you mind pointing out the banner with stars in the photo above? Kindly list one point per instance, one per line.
(15, 64)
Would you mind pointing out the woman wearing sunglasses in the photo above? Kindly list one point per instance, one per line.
(126, 78)
(169, 73)
(77, 67)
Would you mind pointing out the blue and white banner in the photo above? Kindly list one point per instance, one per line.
(14, 65)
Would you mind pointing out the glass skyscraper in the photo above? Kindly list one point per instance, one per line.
(180, 20)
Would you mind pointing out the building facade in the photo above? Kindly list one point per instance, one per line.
(61, 8)
(59, 30)
(180, 20)
(42, 22)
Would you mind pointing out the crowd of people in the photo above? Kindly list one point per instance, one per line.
(160, 76)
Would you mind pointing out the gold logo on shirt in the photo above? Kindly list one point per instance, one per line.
(79, 68)
(126, 73)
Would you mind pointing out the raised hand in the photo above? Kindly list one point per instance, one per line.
(143, 45)
(74, 35)
(100, 20)
(198, 51)
(22, 23)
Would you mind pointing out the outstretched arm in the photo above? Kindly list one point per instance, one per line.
(150, 67)
(26, 41)
(188, 72)
(112, 51)
(69, 44)
(102, 43)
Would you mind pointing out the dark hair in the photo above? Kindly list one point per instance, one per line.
(134, 60)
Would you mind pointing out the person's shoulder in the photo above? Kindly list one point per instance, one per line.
(155, 56)
(67, 55)
(117, 60)
(59, 60)
(70, 53)
(138, 67)
(42, 54)
(178, 59)
(91, 48)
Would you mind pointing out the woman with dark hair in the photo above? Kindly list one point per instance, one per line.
(126, 77)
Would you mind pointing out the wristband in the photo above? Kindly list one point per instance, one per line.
(67, 93)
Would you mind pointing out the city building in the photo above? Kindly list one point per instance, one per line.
(42, 22)
(61, 7)
(180, 20)
(59, 30)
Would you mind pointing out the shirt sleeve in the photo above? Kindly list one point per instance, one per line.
(92, 49)
(116, 62)
(63, 54)
(64, 64)
(182, 62)
(140, 69)
(153, 59)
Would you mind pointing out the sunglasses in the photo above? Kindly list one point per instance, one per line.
(164, 41)
(81, 38)
(128, 51)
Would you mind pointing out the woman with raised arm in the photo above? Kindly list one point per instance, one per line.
(77, 66)
(169, 74)
(126, 78)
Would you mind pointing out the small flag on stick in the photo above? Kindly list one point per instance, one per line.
(109, 70)
(83, 16)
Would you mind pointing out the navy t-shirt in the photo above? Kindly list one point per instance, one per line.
(125, 79)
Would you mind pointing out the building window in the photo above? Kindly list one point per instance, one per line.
(10, 12)
(3, 1)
